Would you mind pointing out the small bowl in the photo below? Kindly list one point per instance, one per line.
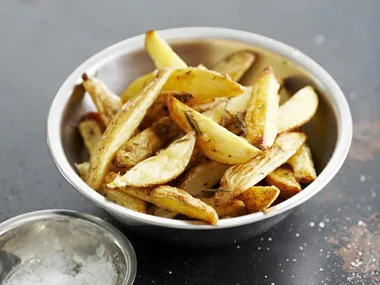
(33, 234)
(329, 132)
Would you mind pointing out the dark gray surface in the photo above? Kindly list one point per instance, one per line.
(43, 41)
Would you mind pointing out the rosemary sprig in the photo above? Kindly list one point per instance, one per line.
(193, 124)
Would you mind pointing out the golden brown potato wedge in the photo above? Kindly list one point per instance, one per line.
(203, 84)
(83, 169)
(91, 132)
(107, 103)
(146, 143)
(303, 166)
(298, 110)
(159, 169)
(283, 178)
(239, 178)
(161, 212)
(137, 86)
(177, 200)
(202, 176)
(126, 200)
(214, 141)
(259, 198)
(121, 129)
(161, 53)
(262, 111)
(236, 64)
(234, 208)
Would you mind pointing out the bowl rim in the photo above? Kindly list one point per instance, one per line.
(321, 77)
(121, 240)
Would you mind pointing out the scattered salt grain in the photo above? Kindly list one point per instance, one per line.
(362, 178)
(63, 268)
(270, 239)
(238, 246)
(321, 225)
(297, 234)
(312, 224)
(170, 272)
(360, 223)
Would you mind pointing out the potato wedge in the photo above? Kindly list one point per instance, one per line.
(303, 166)
(234, 208)
(262, 111)
(202, 176)
(214, 141)
(159, 169)
(126, 200)
(107, 103)
(91, 132)
(298, 110)
(137, 86)
(259, 198)
(161, 212)
(177, 200)
(161, 53)
(82, 169)
(203, 84)
(283, 178)
(121, 129)
(240, 178)
(146, 143)
(236, 64)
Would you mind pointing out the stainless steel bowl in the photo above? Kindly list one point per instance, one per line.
(26, 236)
(329, 132)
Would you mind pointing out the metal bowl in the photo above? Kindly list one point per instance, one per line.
(33, 234)
(329, 132)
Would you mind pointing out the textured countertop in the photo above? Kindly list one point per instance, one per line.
(334, 238)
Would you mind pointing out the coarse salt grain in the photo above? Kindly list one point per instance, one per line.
(63, 268)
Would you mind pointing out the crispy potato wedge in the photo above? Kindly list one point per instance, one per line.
(146, 143)
(91, 132)
(203, 84)
(107, 103)
(298, 110)
(121, 129)
(236, 64)
(202, 176)
(177, 200)
(283, 178)
(161, 53)
(239, 178)
(83, 169)
(137, 86)
(303, 166)
(234, 208)
(259, 198)
(126, 200)
(161, 212)
(159, 169)
(214, 141)
(262, 111)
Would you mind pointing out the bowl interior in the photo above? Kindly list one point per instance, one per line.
(121, 70)
(81, 239)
